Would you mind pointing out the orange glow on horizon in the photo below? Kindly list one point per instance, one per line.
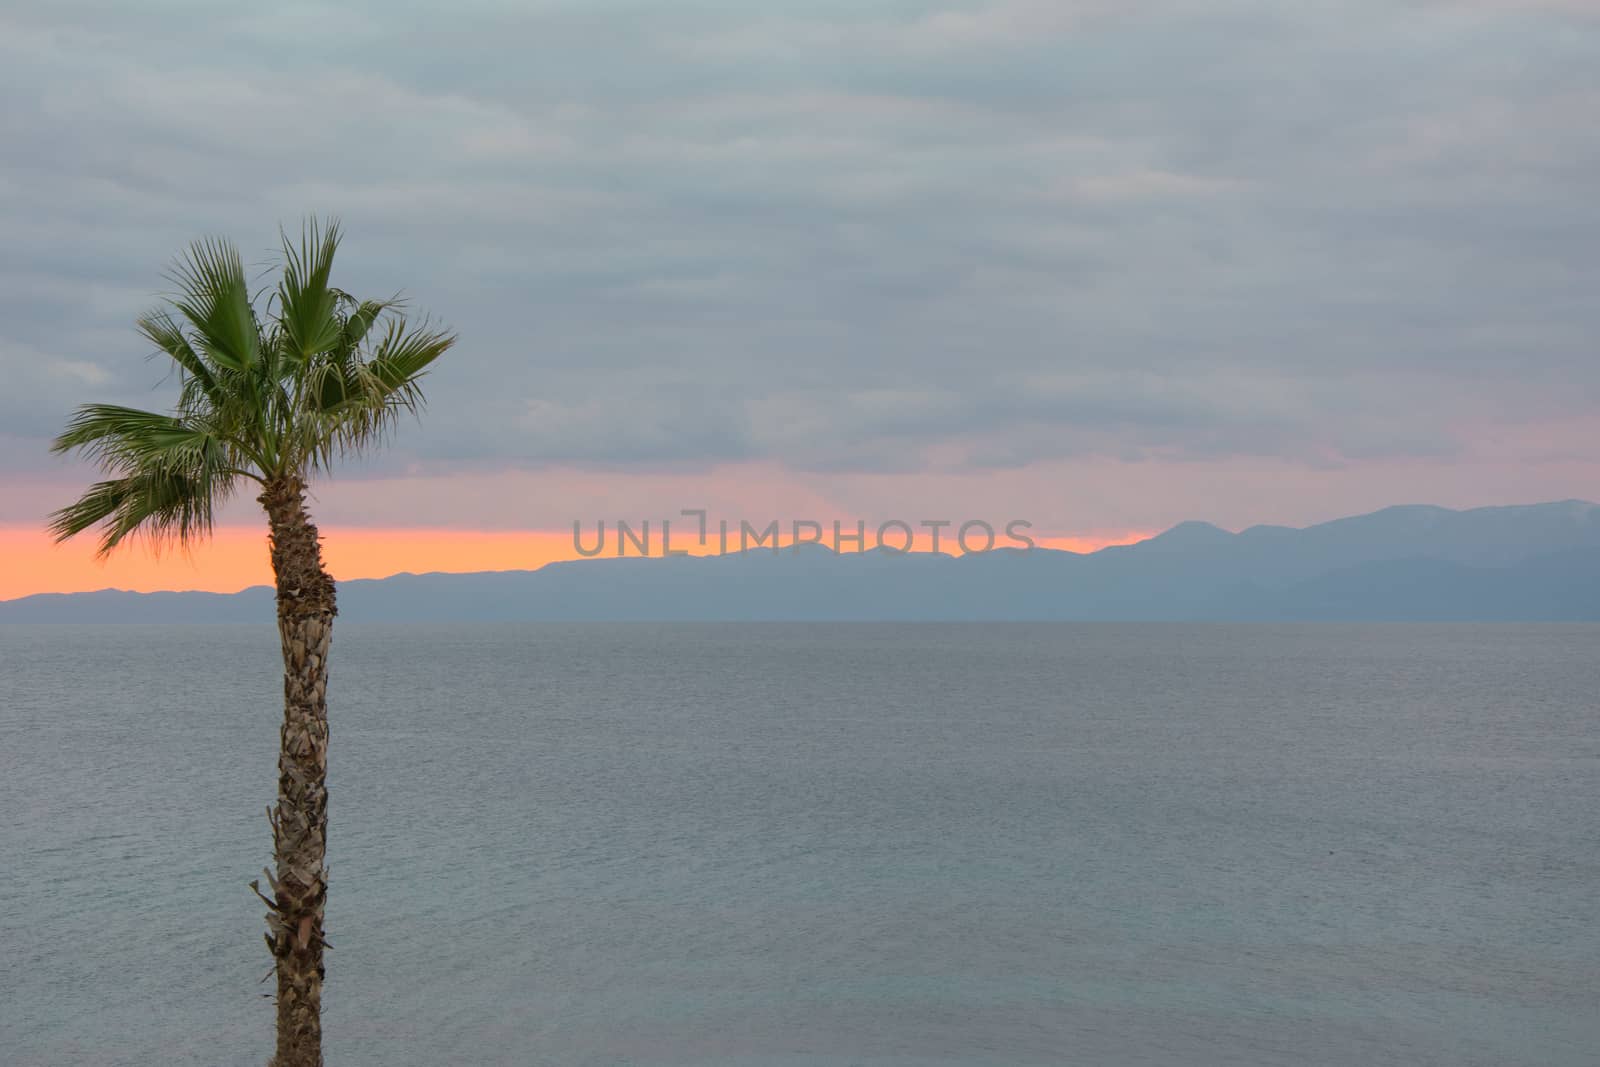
(236, 556)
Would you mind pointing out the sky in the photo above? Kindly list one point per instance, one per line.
(1100, 266)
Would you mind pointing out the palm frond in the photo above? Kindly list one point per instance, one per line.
(165, 505)
(161, 330)
(92, 423)
(352, 403)
(264, 397)
(362, 318)
(122, 438)
(306, 303)
(215, 298)
(406, 353)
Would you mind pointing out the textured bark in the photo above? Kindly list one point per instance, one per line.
(300, 819)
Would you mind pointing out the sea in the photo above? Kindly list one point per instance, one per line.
(825, 845)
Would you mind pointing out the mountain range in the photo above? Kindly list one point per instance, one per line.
(1538, 562)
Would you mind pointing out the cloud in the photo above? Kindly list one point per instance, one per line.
(1582, 9)
(836, 237)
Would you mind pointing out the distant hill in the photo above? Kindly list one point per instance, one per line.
(1538, 562)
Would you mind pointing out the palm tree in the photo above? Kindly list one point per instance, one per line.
(270, 397)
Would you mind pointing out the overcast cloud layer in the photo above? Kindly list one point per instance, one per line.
(846, 238)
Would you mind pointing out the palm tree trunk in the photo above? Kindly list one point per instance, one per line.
(300, 819)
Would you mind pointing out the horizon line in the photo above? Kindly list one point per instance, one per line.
(361, 551)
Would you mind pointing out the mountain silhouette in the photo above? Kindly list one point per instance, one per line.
(1538, 562)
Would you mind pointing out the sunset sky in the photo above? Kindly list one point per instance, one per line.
(1102, 267)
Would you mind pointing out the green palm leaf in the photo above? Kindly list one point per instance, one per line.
(269, 396)
(215, 299)
(306, 304)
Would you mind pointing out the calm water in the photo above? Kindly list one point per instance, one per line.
(820, 845)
